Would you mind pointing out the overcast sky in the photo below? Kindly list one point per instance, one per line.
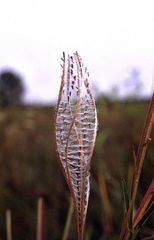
(111, 36)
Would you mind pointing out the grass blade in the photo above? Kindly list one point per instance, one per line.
(68, 221)
(125, 195)
(134, 234)
(144, 204)
(145, 137)
(40, 219)
(8, 225)
(105, 198)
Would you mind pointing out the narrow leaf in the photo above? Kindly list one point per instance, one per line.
(8, 225)
(40, 219)
(134, 234)
(142, 148)
(125, 195)
(68, 221)
(126, 201)
(144, 220)
(144, 204)
(105, 199)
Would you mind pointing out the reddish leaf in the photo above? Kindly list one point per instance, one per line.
(144, 204)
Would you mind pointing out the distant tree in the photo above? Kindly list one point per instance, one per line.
(11, 88)
(133, 83)
(114, 93)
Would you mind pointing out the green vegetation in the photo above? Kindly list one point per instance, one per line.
(29, 169)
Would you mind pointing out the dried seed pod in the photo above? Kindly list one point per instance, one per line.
(76, 127)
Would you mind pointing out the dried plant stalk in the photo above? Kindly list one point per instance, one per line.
(40, 231)
(139, 160)
(68, 221)
(144, 204)
(76, 127)
(8, 225)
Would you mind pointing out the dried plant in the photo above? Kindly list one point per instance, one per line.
(76, 127)
(8, 224)
(130, 232)
(40, 230)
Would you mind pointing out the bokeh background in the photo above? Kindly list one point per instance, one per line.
(115, 40)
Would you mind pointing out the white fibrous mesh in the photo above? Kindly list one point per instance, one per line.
(76, 127)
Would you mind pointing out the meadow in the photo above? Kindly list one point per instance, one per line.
(29, 169)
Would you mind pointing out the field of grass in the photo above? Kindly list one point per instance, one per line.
(29, 169)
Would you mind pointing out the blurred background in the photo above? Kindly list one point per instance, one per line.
(115, 40)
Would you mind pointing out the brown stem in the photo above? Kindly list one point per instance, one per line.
(8, 224)
(145, 137)
(40, 219)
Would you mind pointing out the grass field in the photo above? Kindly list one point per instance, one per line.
(29, 169)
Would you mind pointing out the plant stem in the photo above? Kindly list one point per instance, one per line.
(145, 138)
(68, 221)
(40, 219)
(8, 225)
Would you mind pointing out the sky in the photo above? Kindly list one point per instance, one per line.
(113, 37)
